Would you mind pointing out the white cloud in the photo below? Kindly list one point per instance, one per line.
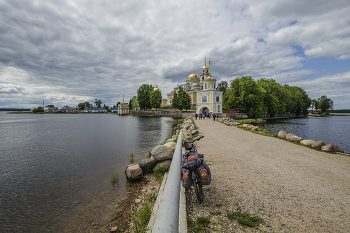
(336, 87)
(72, 51)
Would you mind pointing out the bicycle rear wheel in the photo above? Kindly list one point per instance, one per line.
(199, 192)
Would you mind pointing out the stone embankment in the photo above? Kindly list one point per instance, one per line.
(161, 155)
(143, 184)
(288, 136)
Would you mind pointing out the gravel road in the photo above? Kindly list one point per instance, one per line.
(292, 188)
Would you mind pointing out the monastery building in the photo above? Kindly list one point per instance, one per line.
(202, 90)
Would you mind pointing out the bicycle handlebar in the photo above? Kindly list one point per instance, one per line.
(197, 139)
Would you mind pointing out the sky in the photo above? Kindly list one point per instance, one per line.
(70, 51)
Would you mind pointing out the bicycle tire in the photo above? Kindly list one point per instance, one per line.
(198, 189)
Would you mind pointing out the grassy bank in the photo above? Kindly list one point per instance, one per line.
(249, 121)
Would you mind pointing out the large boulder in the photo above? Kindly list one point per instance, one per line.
(166, 164)
(318, 144)
(194, 132)
(293, 138)
(161, 153)
(282, 134)
(133, 171)
(171, 145)
(332, 148)
(237, 124)
(307, 142)
(147, 164)
(193, 127)
(184, 140)
(250, 126)
(255, 128)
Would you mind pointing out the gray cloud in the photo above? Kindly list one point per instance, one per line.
(71, 51)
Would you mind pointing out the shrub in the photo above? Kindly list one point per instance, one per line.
(159, 172)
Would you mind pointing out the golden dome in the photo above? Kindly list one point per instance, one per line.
(193, 77)
(156, 88)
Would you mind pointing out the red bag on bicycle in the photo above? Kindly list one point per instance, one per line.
(204, 173)
(191, 159)
(186, 178)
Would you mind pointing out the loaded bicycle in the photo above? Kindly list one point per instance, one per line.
(194, 170)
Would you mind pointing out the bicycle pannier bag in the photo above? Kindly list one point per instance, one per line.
(204, 173)
(195, 162)
(191, 159)
(186, 178)
(188, 154)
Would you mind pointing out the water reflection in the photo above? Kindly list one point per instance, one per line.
(56, 168)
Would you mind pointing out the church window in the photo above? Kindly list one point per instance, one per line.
(217, 99)
(206, 86)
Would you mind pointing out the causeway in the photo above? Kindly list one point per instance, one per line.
(291, 187)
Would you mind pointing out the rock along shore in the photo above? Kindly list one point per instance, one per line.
(292, 188)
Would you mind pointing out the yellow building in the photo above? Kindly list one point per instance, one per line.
(123, 108)
(202, 90)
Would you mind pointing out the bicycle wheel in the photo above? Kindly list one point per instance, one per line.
(199, 192)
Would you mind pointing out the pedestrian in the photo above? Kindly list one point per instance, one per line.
(214, 117)
(196, 115)
(209, 115)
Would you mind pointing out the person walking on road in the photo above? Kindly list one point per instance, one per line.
(214, 117)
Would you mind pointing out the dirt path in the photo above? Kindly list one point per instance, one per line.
(293, 188)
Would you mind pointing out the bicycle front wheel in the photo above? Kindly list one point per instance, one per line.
(199, 192)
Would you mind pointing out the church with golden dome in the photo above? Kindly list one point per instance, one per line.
(202, 89)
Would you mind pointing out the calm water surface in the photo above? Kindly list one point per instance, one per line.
(330, 130)
(55, 169)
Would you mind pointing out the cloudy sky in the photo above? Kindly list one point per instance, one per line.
(70, 51)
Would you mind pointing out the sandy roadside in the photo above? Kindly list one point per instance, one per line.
(293, 188)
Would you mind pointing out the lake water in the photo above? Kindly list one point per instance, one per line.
(330, 130)
(55, 169)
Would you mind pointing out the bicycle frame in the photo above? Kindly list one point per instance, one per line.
(196, 181)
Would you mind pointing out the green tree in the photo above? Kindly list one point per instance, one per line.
(84, 105)
(39, 109)
(98, 103)
(105, 107)
(133, 103)
(179, 102)
(245, 94)
(316, 105)
(325, 104)
(271, 100)
(143, 96)
(175, 101)
(156, 99)
(222, 86)
(185, 101)
(50, 106)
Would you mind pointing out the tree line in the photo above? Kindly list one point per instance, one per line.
(323, 104)
(148, 98)
(264, 96)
